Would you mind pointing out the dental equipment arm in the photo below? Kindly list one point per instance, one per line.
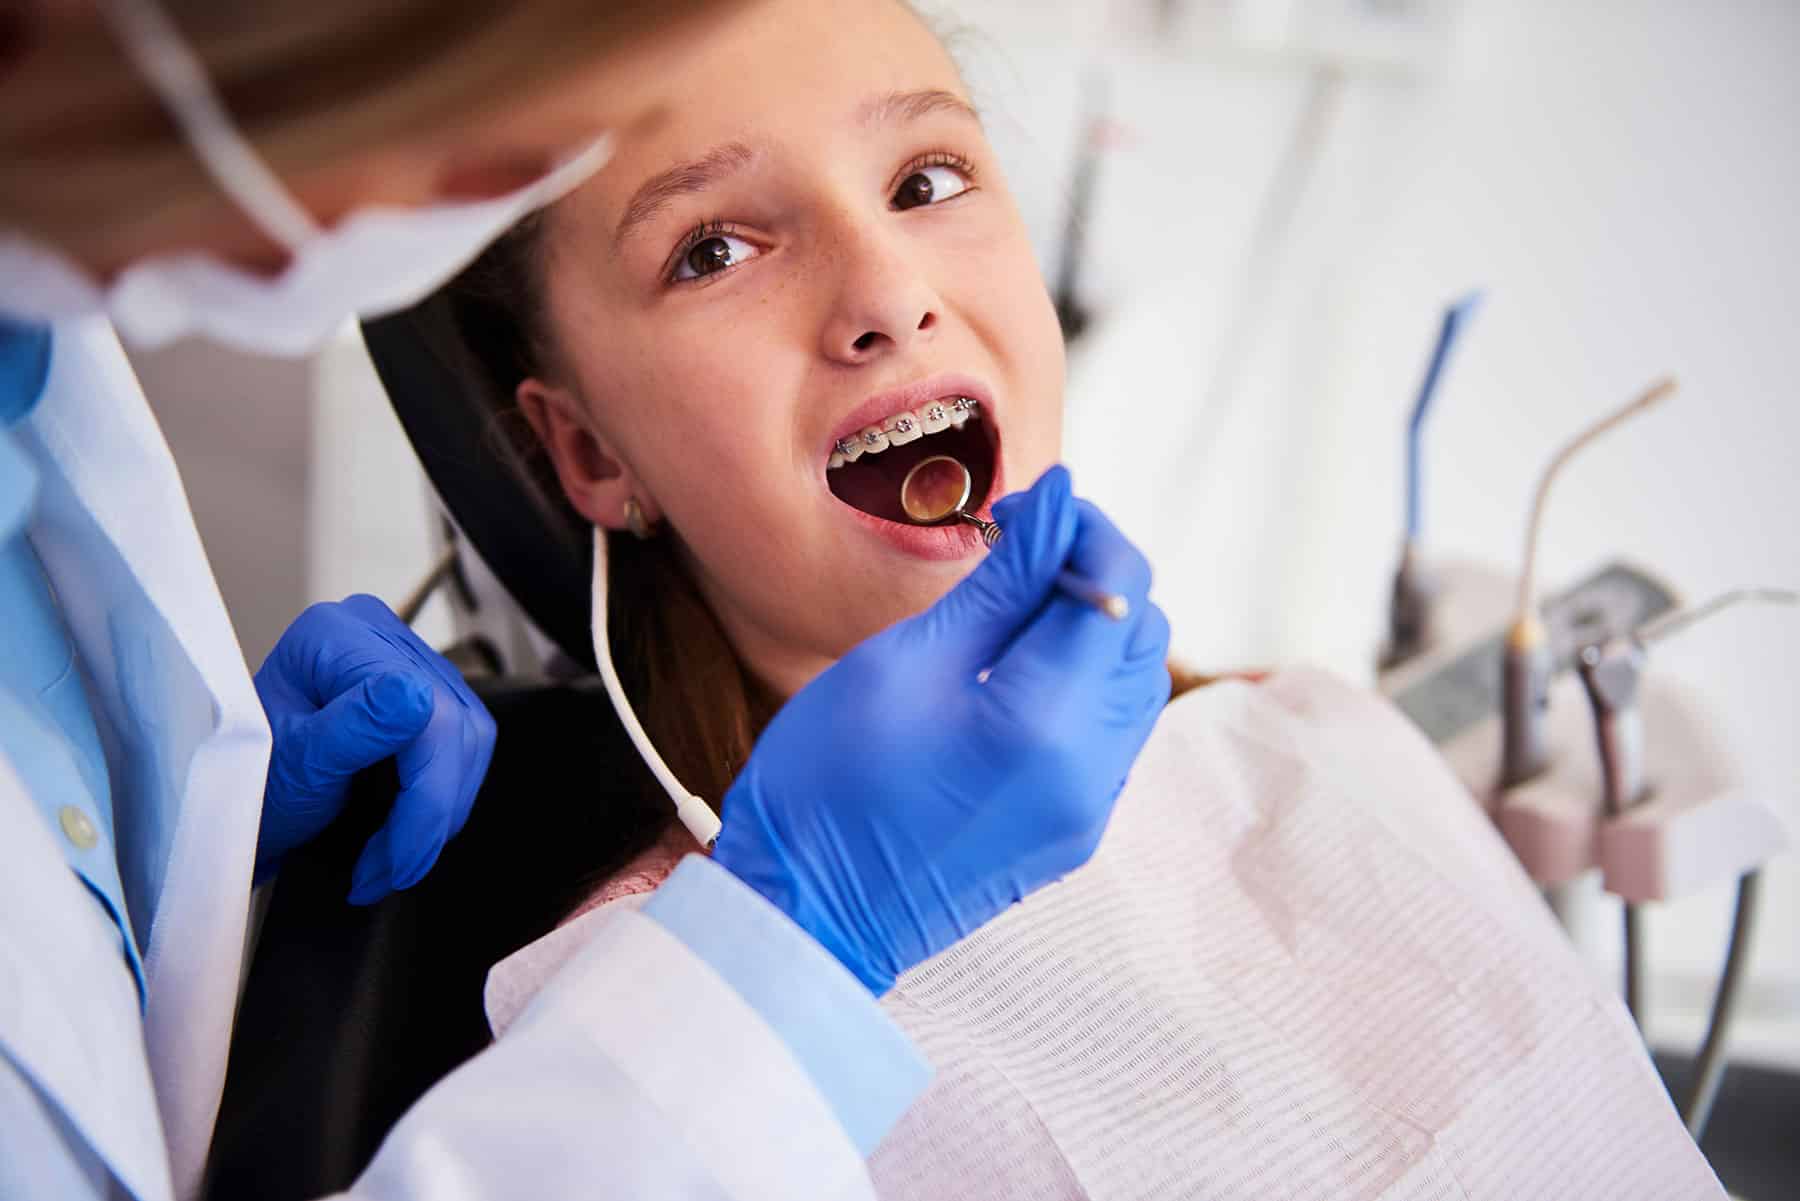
(1528, 661)
(1409, 612)
(1455, 318)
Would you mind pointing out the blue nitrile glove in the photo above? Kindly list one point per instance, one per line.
(897, 803)
(347, 686)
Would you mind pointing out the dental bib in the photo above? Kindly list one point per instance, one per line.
(1302, 964)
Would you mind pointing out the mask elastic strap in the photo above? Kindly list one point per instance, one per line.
(179, 80)
(692, 812)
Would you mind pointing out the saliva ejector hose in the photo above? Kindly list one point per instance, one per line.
(694, 813)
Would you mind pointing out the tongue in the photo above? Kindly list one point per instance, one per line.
(872, 483)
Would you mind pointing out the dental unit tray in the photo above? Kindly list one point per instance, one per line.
(1445, 698)
(1700, 824)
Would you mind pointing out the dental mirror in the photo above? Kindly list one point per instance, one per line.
(938, 488)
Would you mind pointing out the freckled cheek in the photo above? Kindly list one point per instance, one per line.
(711, 440)
(1001, 290)
(711, 417)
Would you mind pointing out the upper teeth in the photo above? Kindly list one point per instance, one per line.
(908, 425)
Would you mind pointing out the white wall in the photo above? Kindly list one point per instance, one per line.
(242, 431)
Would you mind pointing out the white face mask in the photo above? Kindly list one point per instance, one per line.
(374, 261)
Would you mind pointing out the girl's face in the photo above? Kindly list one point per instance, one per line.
(816, 240)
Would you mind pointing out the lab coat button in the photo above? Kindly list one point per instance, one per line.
(78, 827)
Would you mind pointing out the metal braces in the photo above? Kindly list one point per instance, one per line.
(962, 404)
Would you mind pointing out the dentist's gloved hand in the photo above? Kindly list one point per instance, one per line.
(897, 803)
(347, 686)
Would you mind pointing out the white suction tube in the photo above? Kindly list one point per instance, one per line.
(693, 812)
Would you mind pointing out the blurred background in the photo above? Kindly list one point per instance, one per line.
(1254, 212)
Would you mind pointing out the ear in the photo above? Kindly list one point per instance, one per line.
(594, 477)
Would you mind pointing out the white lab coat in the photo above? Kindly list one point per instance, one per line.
(640, 1072)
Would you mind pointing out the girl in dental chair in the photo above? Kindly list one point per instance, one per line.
(1300, 963)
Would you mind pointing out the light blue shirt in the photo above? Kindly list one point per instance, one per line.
(47, 725)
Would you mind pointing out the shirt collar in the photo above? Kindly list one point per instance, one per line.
(24, 366)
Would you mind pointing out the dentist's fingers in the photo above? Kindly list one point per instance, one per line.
(972, 625)
(1069, 644)
(1150, 641)
(1142, 684)
(358, 728)
(432, 782)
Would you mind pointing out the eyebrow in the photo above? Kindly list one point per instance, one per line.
(683, 179)
(697, 175)
(911, 106)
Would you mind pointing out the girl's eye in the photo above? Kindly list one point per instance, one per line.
(930, 185)
(711, 255)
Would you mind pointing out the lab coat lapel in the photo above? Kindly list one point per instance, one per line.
(186, 739)
(70, 1024)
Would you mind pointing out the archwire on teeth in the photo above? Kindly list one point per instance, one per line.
(905, 426)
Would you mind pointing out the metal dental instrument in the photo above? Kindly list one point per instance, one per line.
(1669, 624)
(1409, 610)
(1527, 660)
(1611, 672)
(938, 488)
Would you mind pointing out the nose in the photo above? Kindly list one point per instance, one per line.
(883, 302)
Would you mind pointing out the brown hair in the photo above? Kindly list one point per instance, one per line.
(701, 707)
(89, 147)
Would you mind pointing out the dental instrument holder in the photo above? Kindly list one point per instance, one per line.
(1660, 812)
(1525, 703)
(1611, 672)
(1410, 626)
(1698, 824)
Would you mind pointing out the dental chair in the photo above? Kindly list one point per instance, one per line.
(350, 1014)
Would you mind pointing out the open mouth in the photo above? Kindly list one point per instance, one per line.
(867, 469)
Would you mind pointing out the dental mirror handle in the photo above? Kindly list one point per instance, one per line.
(1109, 603)
(990, 531)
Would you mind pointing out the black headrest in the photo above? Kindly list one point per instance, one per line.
(484, 468)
